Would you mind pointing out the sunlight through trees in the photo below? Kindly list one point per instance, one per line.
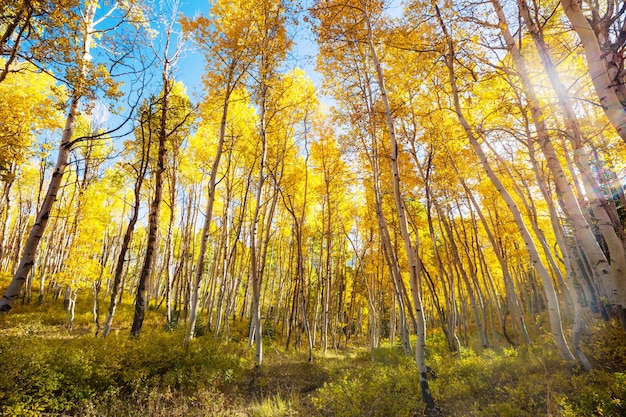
(449, 171)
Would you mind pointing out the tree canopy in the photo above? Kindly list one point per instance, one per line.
(340, 173)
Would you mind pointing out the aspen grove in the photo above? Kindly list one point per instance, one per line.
(318, 207)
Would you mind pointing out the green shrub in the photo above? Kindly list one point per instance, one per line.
(605, 345)
(374, 390)
(46, 376)
(68, 376)
(595, 393)
(51, 371)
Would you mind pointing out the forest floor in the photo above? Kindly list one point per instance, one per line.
(50, 370)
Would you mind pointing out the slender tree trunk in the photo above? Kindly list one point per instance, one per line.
(414, 267)
(601, 211)
(22, 21)
(141, 299)
(70, 312)
(170, 239)
(447, 323)
(36, 232)
(582, 229)
(128, 234)
(255, 234)
(593, 52)
(97, 286)
(470, 290)
(195, 289)
(552, 300)
(5, 208)
(508, 281)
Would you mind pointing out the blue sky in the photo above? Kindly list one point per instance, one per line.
(191, 66)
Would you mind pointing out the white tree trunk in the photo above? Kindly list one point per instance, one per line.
(617, 292)
(597, 70)
(414, 266)
(548, 286)
(36, 232)
(195, 288)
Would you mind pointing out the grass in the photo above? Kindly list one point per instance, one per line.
(49, 370)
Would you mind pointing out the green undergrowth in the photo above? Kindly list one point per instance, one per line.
(50, 370)
(154, 374)
(525, 381)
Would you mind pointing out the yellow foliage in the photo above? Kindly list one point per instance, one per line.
(29, 104)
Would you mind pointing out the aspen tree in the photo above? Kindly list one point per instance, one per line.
(31, 30)
(138, 169)
(230, 44)
(297, 212)
(168, 119)
(508, 281)
(364, 111)
(600, 54)
(409, 126)
(331, 189)
(270, 20)
(549, 290)
(82, 77)
(601, 209)
(414, 267)
(590, 246)
(357, 16)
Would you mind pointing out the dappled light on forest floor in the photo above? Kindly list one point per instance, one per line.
(73, 373)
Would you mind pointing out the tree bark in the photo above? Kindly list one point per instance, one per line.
(141, 299)
(121, 257)
(608, 225)
(597, 70)
(550, 293)
(414, 267)
(36, 232)
(206, 228)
